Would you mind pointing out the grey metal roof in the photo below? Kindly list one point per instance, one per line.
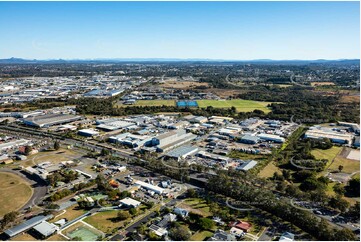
(26, 225)
(183, 150)
(45, 228)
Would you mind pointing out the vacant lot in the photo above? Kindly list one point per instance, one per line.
(24, 237)
(197, 206)
(104, 221)
(184, 84)
(70, 214)
(349, 166)
(328, 154)
(200, 236)
(240, 104)
(269, 170)
(15, 192)
(322, 84)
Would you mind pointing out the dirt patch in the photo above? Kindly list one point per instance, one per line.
(350, 99)
(184, 84)
(322, 84)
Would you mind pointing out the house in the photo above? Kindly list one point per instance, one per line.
(181, 212)
(129, 203)
(237, 232)
(245, 226)
(218, 220)
(221, 235)
(287, 236)
(158, 230)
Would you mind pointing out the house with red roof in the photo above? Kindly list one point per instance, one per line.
(245, 226)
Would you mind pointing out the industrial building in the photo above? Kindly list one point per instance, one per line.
(182, 152)
(112, 124)
(335, 137)
(248, 139)
(88, 132)
(247, 165)
(129, 203)
(150, 187)
(131, 140)
(14, 144)
(271, 137)
(48, 120)
(172, 139)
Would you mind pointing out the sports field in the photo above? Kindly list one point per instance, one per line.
(84, 232)
(15, 192)
(240, 104)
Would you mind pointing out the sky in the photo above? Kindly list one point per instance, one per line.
(208, 30)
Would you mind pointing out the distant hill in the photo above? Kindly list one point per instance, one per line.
(14, 60)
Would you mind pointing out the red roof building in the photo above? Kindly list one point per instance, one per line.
(245, 226)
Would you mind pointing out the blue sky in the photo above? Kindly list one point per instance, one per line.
(215, 30)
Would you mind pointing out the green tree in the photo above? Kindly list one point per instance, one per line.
(123, 215)
(340, 168)
(8, 218)
(339, 189)
(56, 145)
(180, 233)
(133, 211)
(28, 149)
(339, 203)
(206, 223)
(353, 187)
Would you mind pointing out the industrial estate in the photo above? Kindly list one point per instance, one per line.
(159, 121)
(136, 154)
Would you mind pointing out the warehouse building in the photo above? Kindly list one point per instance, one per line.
(182, 152)
(112, 124)
(172, 139)
(247, 165)
(129, 203)
(150, 187)
(248, 139)
(50, 120)
(335, 137)
(131, 140)
(271, 137)
(88, 132)
(14, 144)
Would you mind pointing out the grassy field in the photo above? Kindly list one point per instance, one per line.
(56, 237)
(150, 103)
(197, 206)
(70, 214)
(240, 104)
(269, 170)
(328, 154)
(23, 237)
(349, 166)
(15, 192)
(200, 236)
(104, 221)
